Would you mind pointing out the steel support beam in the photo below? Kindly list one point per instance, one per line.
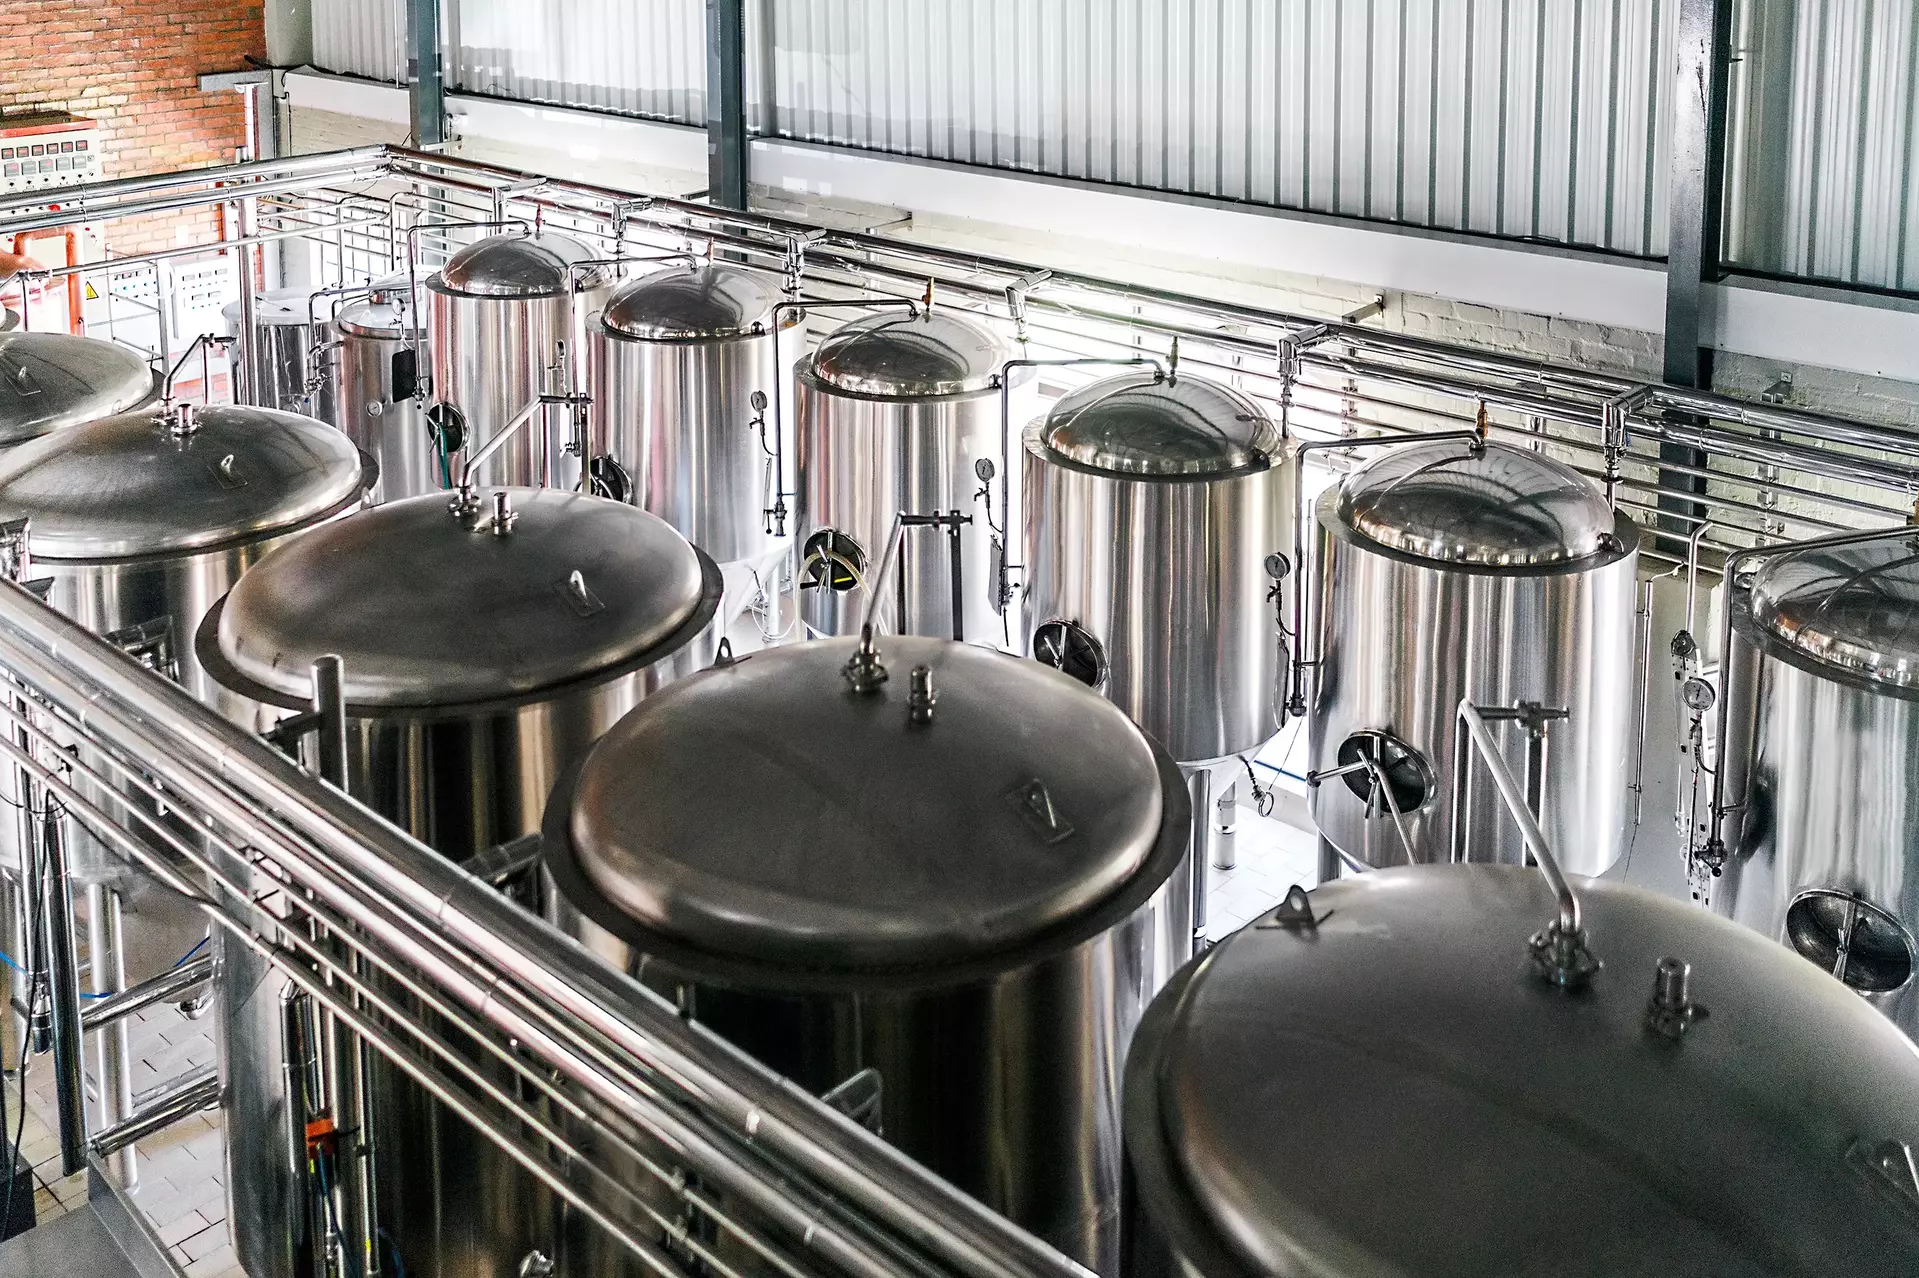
(1696, 205)
(726, 103)
(426, 84)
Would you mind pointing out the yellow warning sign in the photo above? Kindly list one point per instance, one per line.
(92, 296)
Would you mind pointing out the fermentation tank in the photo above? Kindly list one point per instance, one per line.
(143, 520)
(1373, 1079)
(287, 361)
(1456, 569)
(953, 888)
(483, 647)
(894, 412)
(681, 354)
(377, 360)
(52, 380)
(505, 321)
(1822, 752)
(1153, 506)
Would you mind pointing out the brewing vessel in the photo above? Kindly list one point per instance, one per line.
(682, 352)
(1471, 569)
(484, 645)
(894, 413)
(1376, 1079)
(1154, 507)
(287, 361)
(1822, 751)
(52, 380)
(943, 879)
(378, 367)
(505, 321)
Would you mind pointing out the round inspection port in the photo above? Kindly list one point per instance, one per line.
(1852, 938)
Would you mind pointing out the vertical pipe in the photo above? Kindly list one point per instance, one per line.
(1226, 828)
(330, 704)
(246, 386)
(1199, 786)
(63, 970)
(1462, 759)
(1329, 862)
(954, 572)
(426, 85)
(1535, 767)
(106, 951)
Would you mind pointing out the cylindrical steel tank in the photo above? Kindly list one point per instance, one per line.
(681, 353)
(961, 879)
(142, 520)
(483, 650)
(1153, 505)
(1821, 759)
(1371, 1081)
(52, 380)
(1452, 570)
(287, 362)
(894, 411)
(499, 315)
(378, 364)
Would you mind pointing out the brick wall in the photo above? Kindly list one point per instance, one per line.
(134, 66)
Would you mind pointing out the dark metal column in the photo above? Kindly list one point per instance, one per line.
(426, 84)
(1696, 208)
(726, 103)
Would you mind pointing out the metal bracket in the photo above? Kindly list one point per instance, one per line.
(1295, 913)
(1359, 313)
(859, 1098)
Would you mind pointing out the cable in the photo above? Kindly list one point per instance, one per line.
(393, 1249)
(333, 1221)
(178, 963)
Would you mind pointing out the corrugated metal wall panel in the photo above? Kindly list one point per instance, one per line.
(1545, 119)
(1821, 147)
(635, 57)
(361, 37)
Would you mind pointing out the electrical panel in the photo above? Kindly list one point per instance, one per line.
(48, 149)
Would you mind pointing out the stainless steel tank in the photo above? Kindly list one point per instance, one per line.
(143, 520)
(956, 888)
(1453, 570)
(483, 649)
(499, 315)
(53, 380)
(287, 361)
(1371, 1081)
(378, 365)
(681, 354)
(1152, 507)
(1821, 758)
(894, 411)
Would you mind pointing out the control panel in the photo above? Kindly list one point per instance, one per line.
(48, 149)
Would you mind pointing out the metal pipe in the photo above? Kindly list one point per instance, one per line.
(189, 250)
(63, 977)
(107, 972)
(217, 178)
(1199, 787)
(329, 704)
(192, 1093)
(1515, 800)
(72, 214)
(249, 328)
(171, 986)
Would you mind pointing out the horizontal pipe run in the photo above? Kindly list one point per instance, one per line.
(72, 213)
(194, 1092)
(171, 986)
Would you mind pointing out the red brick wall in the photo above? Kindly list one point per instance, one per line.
(134, 66)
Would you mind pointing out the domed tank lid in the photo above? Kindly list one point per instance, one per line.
(52, 380)
(852, 835)
(165, 481)
(693, 303)
(381, 313)
(282, 306)
(895, 355)
(519, 266)
(428, 608)
(1146, 424)
(1855, 607)
(1388, 1088)
(1487, 504)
